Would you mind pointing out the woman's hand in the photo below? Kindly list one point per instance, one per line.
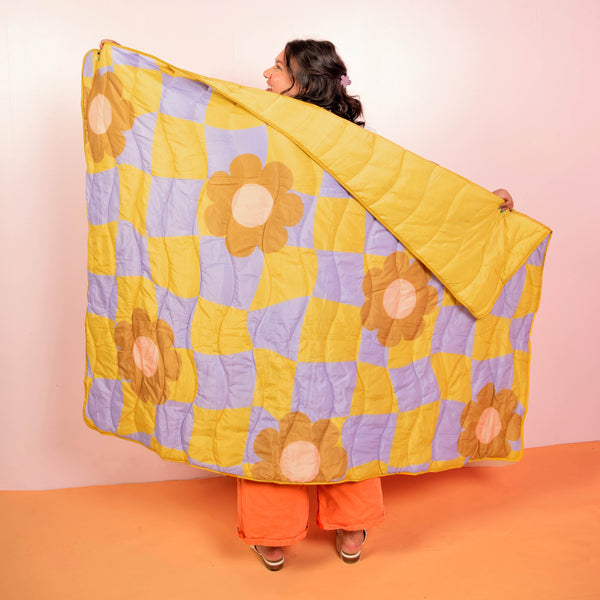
(508, 203)
(102, 42)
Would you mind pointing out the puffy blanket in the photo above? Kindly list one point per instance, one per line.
(277, 294)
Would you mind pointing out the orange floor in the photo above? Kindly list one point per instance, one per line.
(530, 530)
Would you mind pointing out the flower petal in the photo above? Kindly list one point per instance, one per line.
(240, 240)
(411, 327)
(124, 335)
(394, 265)
(485, 396)
(293, 427)
(141, 323)
(467, 442)
(164, 335)
(470, 415)
(432, 299)
(277, 178)
(267, 471)
(370, 277)
(417, 275)
(499, 447)
(288, 210)
(266, 444)
(505, 402)
(116, 142)
(221, 188)
(334, 463)
(274, 237)
(126, 364)
(245, 167)
(513, 429)
(97, 144)
(172, 362)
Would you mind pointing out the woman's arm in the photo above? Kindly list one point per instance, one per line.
(508, 203)
(102, 42)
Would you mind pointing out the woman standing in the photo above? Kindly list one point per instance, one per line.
(272, 516)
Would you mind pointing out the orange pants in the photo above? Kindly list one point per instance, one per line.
(270, 514)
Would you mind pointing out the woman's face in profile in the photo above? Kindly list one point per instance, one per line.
(278, 78)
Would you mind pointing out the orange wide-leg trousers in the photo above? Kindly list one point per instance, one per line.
(270, 514)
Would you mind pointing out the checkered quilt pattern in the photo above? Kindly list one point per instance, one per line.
(279, 295)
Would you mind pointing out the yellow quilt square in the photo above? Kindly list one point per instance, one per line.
(375, 468)
(102, 256)
(307, 174)
(444, 465)
(520, 384)
(137, 416)
(530, 298)
(287, 274)
(225, 114)
(203, 203)
(167, 453)
(330, 333)
(175, 263)
(107, 162)
(142, 87)
(374, 261)
(515, 455)
(339, 225)
(408, 351)
(101, 347)
(448, 299)
(135, 292)
(492, 338)
(218, 329)
(179, 148)
(453, 374)
(414, 433)
(186, 385)
(134, 187)
(103, 59)
(374, 393)
(219, 436)
(274, 382)
(338, 422)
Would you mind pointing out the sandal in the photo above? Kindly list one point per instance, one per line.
(272, 565)
(349, 559)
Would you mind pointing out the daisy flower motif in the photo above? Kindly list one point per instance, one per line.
(252, 206)
(300, 452)
(146, 356)
(489, 423)
(107, 114)
(397, 299)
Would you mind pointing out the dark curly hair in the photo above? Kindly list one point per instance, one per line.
(317, 69)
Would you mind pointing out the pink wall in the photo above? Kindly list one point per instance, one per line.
(505, 93)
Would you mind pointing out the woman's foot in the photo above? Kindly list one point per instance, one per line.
(272, 556)
(349, 544)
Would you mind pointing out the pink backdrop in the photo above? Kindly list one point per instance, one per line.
(504, 93)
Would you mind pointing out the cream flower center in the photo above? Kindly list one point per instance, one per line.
(100, 114)
(300, 461)
(145, 355)
(399, 298)
(489, 425)
(252, 205)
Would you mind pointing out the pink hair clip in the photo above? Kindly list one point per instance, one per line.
(345, 80)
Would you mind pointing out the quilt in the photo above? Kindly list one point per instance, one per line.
(276, 294)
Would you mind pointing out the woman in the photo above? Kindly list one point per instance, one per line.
(272, 516)
(312, 71)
